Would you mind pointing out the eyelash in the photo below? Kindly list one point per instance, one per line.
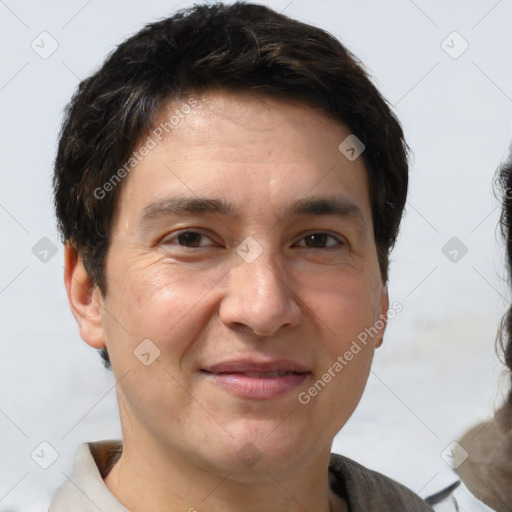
(339, 241)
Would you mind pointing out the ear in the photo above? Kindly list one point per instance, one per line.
(84, 298)
(382, 321)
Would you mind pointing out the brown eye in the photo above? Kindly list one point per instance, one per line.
(189, 239)
(319, 241)
(316, 240)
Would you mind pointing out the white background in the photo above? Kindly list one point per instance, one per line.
(437, 372)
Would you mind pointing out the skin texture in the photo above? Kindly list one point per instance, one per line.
(303, 299)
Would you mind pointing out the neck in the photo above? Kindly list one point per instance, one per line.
(148, 478)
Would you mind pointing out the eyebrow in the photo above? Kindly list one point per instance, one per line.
(330, 205)
(310, 206)
(177, 205)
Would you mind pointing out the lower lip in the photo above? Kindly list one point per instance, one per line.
(257, 388)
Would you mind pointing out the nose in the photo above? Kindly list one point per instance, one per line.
(259, 297)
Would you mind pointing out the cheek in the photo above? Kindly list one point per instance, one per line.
(345, 376)
(161, 302)
(154, 396)
(348, 311)
(345, 304)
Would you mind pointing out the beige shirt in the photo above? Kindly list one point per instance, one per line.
(363, 490)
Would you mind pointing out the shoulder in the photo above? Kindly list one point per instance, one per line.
(367, 490)
(487, 469)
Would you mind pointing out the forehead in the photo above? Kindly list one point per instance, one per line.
(227, 122)
(249, 150)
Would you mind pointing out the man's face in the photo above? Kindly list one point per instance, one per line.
(243, 248)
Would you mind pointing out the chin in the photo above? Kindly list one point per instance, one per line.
(256, 452)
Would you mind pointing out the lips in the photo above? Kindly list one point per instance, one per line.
(249, 366)
(257, 380)
(267, 375)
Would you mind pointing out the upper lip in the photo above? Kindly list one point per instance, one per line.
(252, 366)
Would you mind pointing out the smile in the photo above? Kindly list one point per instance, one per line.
(257, 381)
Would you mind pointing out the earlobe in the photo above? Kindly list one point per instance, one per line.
(382, 320)
(84, 297)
